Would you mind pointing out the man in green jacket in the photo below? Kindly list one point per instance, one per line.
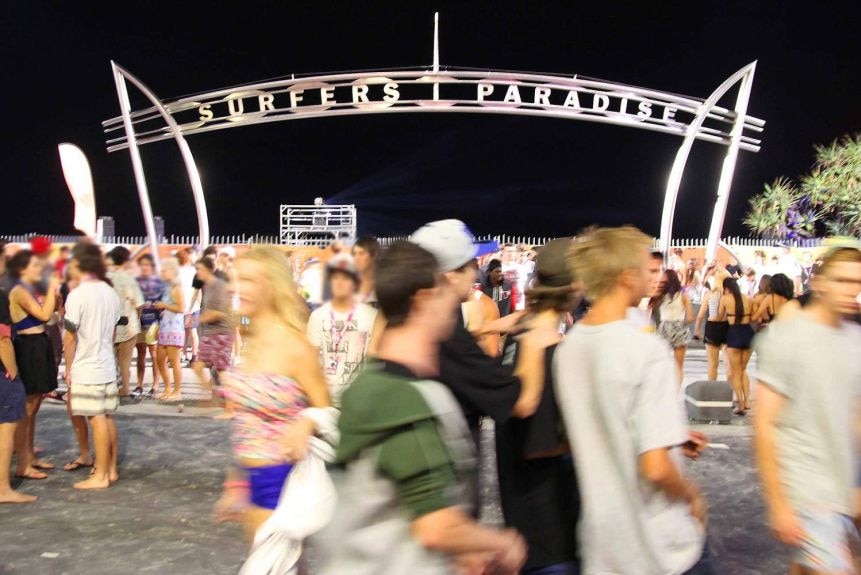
(406, 451)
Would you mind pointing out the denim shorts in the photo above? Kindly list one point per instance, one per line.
(12, 398)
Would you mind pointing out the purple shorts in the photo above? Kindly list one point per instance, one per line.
(215, 350)
(12, 398)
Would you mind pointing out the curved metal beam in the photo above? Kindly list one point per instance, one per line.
(675, 180)
(137, 164)
(120, 75)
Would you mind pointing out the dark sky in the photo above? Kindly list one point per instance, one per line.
(501, 174)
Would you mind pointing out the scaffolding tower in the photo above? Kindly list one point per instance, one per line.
(317, 225)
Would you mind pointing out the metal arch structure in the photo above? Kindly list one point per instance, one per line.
(120, 77)
(436, 90)
(745, 76)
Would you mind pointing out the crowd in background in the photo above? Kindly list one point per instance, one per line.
(356, 386)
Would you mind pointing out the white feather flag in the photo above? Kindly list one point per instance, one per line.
(76, 170)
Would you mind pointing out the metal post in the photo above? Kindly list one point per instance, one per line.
(137, 164)
(675, 180)
(728, 168)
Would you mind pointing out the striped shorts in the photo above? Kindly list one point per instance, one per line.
(90, 400)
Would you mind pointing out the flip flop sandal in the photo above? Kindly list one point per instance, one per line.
(44, 466)
(75, 465)
(31, 477)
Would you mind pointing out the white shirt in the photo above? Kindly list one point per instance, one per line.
(617, 390)
(343, 340)
(186, 277)
(93, 309)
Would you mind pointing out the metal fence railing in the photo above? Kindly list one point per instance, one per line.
(243, 239)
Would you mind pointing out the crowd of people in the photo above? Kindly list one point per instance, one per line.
(393, 358)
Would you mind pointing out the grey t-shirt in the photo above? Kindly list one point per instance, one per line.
(617, 390)
(817, 368)
(216, 298)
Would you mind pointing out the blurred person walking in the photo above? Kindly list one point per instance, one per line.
(279, 377)
(404, 497)
(807, 435)
(626, 425)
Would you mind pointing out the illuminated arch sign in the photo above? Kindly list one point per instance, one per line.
(449, 90)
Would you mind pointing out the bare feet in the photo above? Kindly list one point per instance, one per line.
(43, 465)
(93, 482)
(113, 476)
(31, 473)
(16, 497)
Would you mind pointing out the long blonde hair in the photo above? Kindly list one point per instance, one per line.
(289, 306)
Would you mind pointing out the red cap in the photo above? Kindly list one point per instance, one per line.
(40, 245)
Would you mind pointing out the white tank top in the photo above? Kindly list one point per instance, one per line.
(672, 309)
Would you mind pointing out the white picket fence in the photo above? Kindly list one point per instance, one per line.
(245, 239)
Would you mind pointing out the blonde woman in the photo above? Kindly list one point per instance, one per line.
(279, 377)
(171, 329)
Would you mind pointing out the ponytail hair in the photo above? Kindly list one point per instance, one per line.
(732, 285)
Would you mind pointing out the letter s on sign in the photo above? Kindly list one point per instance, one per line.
(205, 112)
(391, 91)
(645, 110)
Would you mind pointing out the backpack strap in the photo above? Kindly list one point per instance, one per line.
(455, 433)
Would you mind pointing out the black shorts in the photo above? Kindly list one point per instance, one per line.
(36, 365)
(715, 333)
(739, 336)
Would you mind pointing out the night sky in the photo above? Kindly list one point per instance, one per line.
(500, 174)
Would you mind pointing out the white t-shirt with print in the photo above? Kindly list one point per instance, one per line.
(343, 340)
(93, 308)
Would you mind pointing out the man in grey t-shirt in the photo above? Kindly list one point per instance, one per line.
(807, 413)
(617, 389)
(216, 327)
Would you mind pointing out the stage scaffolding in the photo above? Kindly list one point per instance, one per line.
(304, 225)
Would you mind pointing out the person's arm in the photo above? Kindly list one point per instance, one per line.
(657, 467)
(7, 352)
(177, 306)
(704, 308)
(305, 371)
(70, 342)
(784, 523)
(503, 325)
(29, 304)
(415, 458)
(530, 368)
(194, 297)
(453, 532)
(759, 310)
(658, 426)
(689, 310)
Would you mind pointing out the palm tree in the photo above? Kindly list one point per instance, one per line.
(828, 199)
